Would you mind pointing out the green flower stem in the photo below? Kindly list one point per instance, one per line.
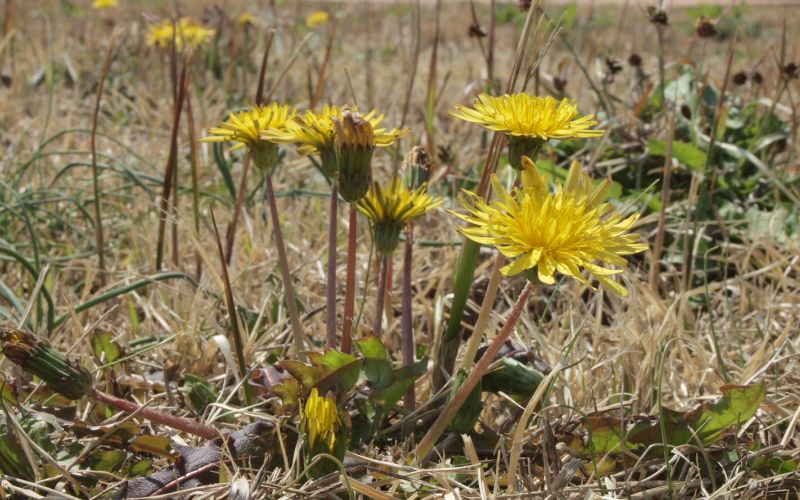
(410, 399)
(451, 409)
(286, 275)
(330, 285)
(377, 325)
(484, 315)
(350, 284)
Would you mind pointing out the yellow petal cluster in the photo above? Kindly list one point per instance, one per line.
(247, 127)
(317, 18)
(103, 4)
(564, 230)
(396, 203)
(314, 131)
(390, 209)
(185, 32)
(524, 115)
(246, 19)
(321, 420)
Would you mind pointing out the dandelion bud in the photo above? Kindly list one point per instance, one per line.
(417, 164)
(705, 28)
(354, 142)
(37, 357)
(657, 16)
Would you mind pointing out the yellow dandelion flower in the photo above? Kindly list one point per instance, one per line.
(245, 129)
(185, 33)
(562, 230)
(391, 209)
(320, 420)
(314, 133)
(104, 4)
(246, 19)
(317, 18)
(529, 121)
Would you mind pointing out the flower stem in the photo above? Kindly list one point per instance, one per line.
(409, 401)
(484, 315)
(159, 417)
(286, 275)
(330, 286)
(449, 411)
(377, 325)
(350, 284)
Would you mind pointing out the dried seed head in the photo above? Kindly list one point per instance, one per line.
(524, 5)
(36, 356)
(658, 16)
(705, 27)
(791, 71)
(756, 77)
(476, 31)
(559, 83)
(739, 78)
(635, 60)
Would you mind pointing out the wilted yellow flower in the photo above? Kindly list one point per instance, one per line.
(185, 32)
(391, 209)
(314, 133)
(317, 18)
(245, 128)
(321, 420)
(103, 4)
(246, 18)
(562, 230)
(529, 121)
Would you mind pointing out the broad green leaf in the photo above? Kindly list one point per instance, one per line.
(376, 361)
(681, 151)
(157, 445)
(107, 461)
(139, 468)
(105, 348)
(12, 459)
(707, 422)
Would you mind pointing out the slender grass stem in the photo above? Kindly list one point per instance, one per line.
(98, 218)
(172, 163)
(244, 373)
(195, 162)
(288, 286)
(159, 417)
(410, 399)
(350, 283)
(449, 411)
(330, 285)
(377, 325)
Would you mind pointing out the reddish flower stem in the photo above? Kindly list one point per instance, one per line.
(156, 416)
(350, 284)
(377, 325)
(330, 286)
